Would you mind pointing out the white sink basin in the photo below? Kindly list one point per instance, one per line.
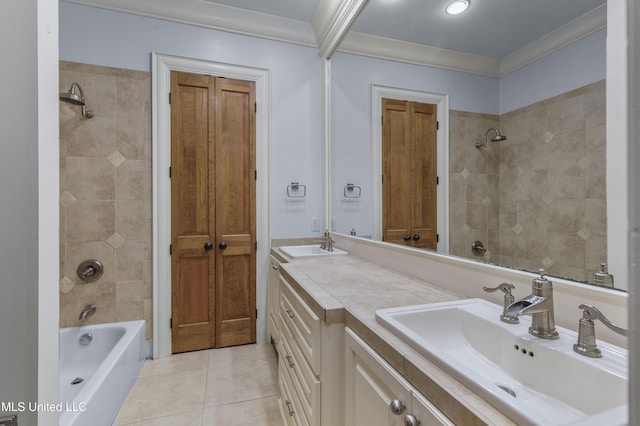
(309, 250)
(530, 380)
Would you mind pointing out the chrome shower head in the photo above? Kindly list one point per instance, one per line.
(74, 98)
(497, 138)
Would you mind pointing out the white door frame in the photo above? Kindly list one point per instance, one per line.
(442, 106)
(162, 65)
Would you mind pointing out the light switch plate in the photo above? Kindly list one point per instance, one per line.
(315, 224)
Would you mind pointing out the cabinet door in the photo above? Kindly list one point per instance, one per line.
(273, 299)
(372, 388)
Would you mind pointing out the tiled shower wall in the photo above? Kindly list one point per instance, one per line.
(538, 199)
(105, 194)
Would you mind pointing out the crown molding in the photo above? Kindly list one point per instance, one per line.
(581, 27)
(329, 32)
(418, 54)
(332, 21)
(216, 16)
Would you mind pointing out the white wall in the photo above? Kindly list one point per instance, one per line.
(28, 288)
(107, 38)
(576, 65)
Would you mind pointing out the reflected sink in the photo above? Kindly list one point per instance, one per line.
(530, 380)
(309, 250)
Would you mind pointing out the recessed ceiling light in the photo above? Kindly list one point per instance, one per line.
(457, 6)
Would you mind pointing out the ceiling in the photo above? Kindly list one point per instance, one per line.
(492, 28)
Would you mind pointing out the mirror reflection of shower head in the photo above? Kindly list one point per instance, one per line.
(75, 96)
(497, 138)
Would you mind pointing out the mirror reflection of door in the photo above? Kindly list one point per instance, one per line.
(213, 212)
(409, 173)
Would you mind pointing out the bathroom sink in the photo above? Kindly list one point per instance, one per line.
(529, 379)
(309, 250)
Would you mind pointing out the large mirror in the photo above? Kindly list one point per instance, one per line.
(533, 72)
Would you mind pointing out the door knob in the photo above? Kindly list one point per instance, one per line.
(416, 237)
(208, 246)
(407, 237)
(222, 245)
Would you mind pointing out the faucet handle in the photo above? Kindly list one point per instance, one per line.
(508, 300)
(505, 287)
(586, 344)
(590, 311)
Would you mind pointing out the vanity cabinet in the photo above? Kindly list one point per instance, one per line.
(273, 300)
(310, 364)
(377, 395)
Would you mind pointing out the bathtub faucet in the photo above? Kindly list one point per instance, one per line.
(87, 311)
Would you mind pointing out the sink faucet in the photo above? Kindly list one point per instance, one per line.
(87, 312)
(326, 242)
(539, 304)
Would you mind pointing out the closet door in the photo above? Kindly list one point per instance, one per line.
(213, 212)
(409, 167)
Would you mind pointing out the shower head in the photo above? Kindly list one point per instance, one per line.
(74, 98)
(497, 138)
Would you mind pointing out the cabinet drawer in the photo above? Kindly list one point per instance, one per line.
(303, 379)
(302, 322)
(291, 405)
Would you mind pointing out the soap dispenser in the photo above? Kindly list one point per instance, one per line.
(603, 277)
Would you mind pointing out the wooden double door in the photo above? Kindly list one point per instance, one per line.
(409, 168)
(213, 217)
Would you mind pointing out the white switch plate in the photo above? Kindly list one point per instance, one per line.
(315, 224)
(333, 224)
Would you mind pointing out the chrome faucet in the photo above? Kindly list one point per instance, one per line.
(87, 312)
(586, 344)
(539, 304)
(326, 242)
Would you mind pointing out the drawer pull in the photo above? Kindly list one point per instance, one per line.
(291, 314)
(397, 407)
(291, 363)
(411, 420)
(291, 412)
(274, 266)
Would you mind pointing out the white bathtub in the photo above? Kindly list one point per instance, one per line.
(108, 366)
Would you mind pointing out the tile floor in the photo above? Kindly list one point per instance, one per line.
(230, 386)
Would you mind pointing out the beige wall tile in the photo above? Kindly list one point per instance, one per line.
(112, 206)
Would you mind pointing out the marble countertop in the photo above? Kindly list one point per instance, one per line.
(349, 289)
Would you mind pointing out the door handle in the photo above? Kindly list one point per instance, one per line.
(208, 246)
(222, 245)
(407, 237)
(416, 237)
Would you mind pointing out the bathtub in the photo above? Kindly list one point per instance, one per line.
(97, 372)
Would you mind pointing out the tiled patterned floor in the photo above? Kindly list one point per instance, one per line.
(230, 386)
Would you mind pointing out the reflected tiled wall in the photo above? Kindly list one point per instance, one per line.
(550, 207)
(474, 200)
(105, 194)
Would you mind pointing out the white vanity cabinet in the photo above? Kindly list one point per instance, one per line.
(273, 300)
(377, 395)
(310, 365)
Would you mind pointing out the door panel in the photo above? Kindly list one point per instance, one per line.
(235, 213)
(193, 271)
(396, 156)
(424, 175)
